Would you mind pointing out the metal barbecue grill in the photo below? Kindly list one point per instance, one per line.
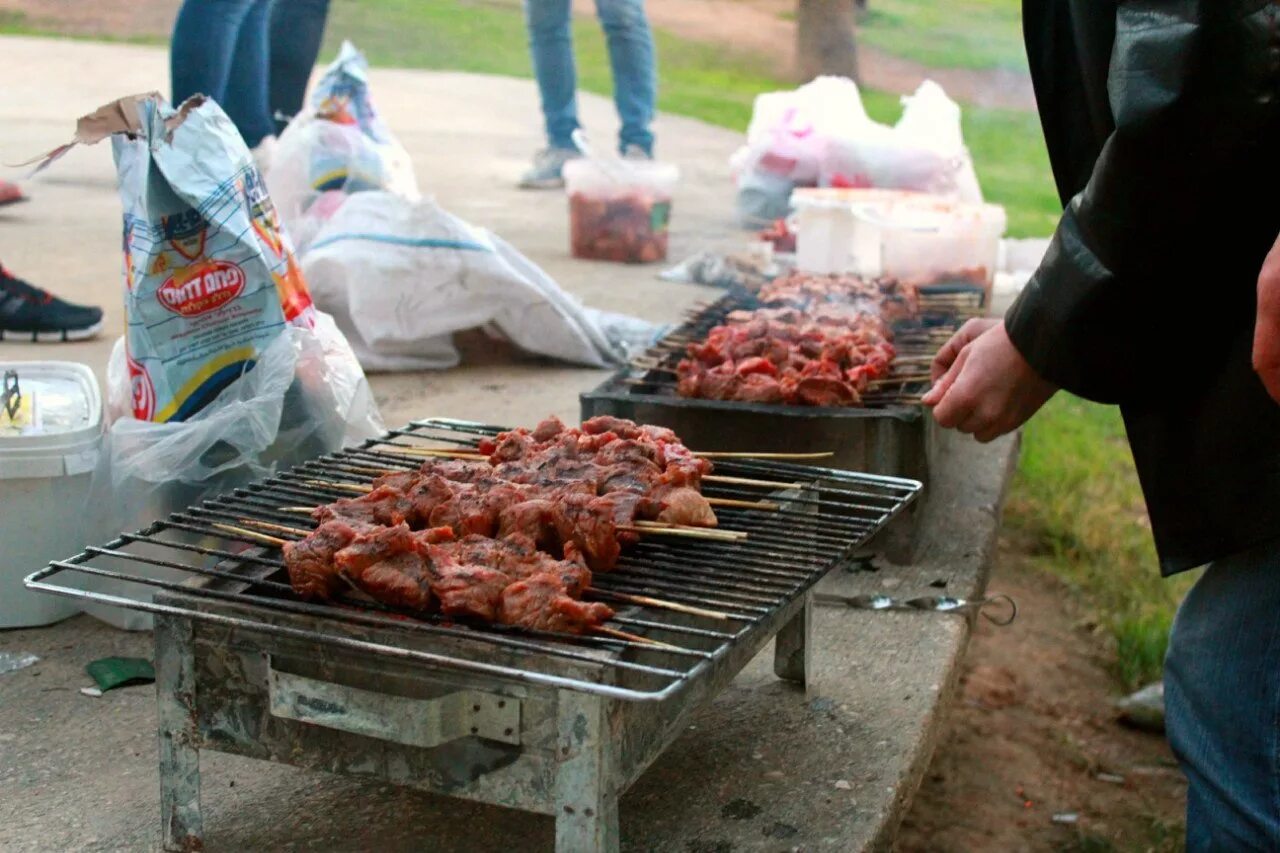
(544, 722)
(891, 435)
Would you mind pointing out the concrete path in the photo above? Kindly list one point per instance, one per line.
(763, 767)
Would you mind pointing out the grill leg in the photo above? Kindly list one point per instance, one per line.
(793, 647)
(586, 802)
(181, 827)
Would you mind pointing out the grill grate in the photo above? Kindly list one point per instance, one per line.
(210, 556)
(942, 311)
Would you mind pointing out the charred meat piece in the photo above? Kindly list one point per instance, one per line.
(540, 603)
(464, 589)
(372, 546)
(309, 561)
(402, 580)
(384, 505)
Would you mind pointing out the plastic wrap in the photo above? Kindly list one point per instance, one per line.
(400, 277)
(335, 147)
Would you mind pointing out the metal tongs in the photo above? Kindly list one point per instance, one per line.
(931, 603)
(12, 398)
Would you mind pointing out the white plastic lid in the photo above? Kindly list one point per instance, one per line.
(50, 418)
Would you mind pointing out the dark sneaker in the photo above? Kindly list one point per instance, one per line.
(548, 167)
(31, 315)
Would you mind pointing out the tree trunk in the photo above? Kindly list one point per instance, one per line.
(825, 39)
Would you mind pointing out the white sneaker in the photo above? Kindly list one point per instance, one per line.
(547, 169)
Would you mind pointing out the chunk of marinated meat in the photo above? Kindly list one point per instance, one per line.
(402, 481)
(401, 581)
(309, 561)
(683, 505)
(548, 429)
(822, 391)
(590, 526)
(539, 603)
(373, 546)
(534, 520)
(759, 388)
(462, 589)
(383, 505)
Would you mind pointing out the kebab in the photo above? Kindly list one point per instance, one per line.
(460, 536)
(780, 356)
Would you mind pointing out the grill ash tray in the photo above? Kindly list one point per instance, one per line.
(549, 723)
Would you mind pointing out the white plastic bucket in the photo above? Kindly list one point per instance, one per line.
(837, 229)
(48, 449)
(913, 236)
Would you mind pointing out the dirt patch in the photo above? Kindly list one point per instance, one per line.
(1032, 734)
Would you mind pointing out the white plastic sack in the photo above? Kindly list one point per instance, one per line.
(924, 151)
(820, 134)
(336, 146)
(306, 396)
(399, 277)
(789, 131)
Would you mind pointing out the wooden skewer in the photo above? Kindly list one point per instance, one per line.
(716, 454)
(661, 604)
(278, 528)
(898, 380)
(708, 532)
(350, 487)
(433, 451)
(746, 481)
(632, 638)
(766, 505)
(684, 532)
(240, 531)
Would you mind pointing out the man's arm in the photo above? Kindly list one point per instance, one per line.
(1135, 293)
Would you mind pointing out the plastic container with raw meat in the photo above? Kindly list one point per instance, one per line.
(619, 210)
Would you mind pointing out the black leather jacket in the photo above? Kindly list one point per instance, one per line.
(1163, 126)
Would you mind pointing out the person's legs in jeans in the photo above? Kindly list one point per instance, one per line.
(246, 98)
(551, 46)
(200, 52)
(1222, 703)
(297, 28)
(631, 56)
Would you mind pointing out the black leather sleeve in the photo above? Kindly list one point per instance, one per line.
(1158, 238)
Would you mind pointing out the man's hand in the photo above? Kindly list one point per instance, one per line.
(983, 385)
(1266, 331)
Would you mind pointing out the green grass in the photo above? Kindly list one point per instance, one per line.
(1077, 503)
(977, 34)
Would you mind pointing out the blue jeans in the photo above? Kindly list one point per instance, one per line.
(631, 58)
(1222, 703)
(297, 27)
(251, 58)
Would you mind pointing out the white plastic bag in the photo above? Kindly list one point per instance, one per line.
(306, 396)
(336, 146)
(789, 131)
(400, 277)
(924, 151)
(820, 134)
